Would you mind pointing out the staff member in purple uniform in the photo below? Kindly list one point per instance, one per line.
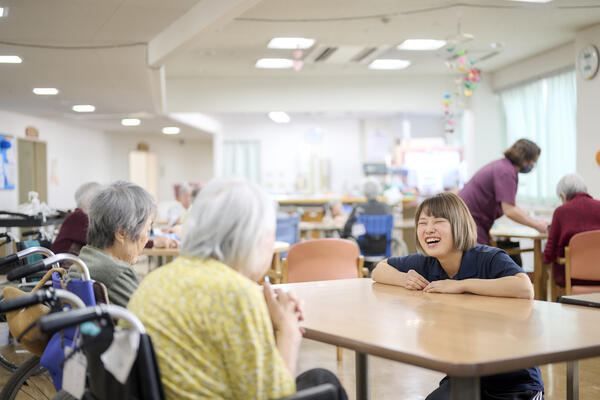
(491, 192)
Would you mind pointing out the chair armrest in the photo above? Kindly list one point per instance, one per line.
(326, 391)
(561, 261)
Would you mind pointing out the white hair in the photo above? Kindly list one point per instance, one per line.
(371, 189)
(569, 185)
(227, 222)
(85, 193)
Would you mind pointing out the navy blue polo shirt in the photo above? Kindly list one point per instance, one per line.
(481, 262)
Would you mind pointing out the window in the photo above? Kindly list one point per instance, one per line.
(545, 112)
(242, 159)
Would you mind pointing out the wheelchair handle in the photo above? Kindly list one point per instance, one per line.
(37, 266)
(51, 323)
(38, 297)
(25, 270)
(11, 258)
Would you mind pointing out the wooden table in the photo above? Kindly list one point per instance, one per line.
(587, 299)
(465, 336)
(323, 227)
(540, 274)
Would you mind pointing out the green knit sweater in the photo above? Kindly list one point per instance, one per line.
(118, 276)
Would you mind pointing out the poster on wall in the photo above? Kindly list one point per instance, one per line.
(8, 165)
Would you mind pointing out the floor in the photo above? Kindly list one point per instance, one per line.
(392, 380)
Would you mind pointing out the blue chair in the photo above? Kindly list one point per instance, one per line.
(376, 243)
(287, 229)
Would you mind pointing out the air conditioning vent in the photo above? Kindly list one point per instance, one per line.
(364, 54)
(325, 54)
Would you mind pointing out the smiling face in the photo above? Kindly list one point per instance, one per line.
(435, 235)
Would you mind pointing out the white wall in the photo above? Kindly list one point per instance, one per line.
(179, 160)
(588, 117)
(76, 155)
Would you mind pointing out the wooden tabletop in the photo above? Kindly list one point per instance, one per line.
(461, 335)
(174, 252)
(520, 231)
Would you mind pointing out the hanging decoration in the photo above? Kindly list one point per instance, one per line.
(298, 63)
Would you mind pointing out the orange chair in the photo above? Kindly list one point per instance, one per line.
(322, 260)
(582, 261)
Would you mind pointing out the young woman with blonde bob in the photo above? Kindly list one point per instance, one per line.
(451, 261)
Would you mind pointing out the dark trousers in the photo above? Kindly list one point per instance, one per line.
(443, 393)
(319, 376)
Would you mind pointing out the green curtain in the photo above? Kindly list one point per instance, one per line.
(544, 111)
(242, 159)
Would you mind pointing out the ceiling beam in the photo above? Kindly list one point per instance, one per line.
(206, 14)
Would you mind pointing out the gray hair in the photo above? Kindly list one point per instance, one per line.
(569, 185)
(120, 206)
(227, 222)
(371, 189)
(184, 187)
(85, 193)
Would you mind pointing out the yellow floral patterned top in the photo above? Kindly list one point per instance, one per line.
(211, 332)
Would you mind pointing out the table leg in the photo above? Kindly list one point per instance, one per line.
(540, 277)
(573, 380)
(464, 388)
(362, 376)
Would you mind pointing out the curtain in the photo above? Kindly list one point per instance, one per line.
(545, 112)
(242, 159)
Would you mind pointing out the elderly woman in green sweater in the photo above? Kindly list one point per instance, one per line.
(120, 217)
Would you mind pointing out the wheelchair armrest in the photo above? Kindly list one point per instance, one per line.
(326, 391)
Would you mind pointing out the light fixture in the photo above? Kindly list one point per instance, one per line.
(10, 60)
(130, 122)
(421, 44)
(274, 63)
(171, 130)
(279, 117)
(496, 45)
(3, 12)
(45, 91)
(532, 1)
(291, 43)
(388, 64)
(84, 108)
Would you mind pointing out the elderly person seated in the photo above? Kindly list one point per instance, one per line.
(371, 190)
(73, 230)
(119, 223)
(578, 213)
(216, 332)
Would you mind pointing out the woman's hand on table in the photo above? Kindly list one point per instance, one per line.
(414, 281)
(164, 242)
(284, 308)
(444, 286)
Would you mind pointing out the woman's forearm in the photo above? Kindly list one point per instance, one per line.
(288, 344)
(518, 286)
(385, 273)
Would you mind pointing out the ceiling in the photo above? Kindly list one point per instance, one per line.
(120, 55)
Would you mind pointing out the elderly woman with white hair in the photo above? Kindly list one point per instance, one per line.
(120, 217)
(216, 332)
(72, 234)
(579, 212)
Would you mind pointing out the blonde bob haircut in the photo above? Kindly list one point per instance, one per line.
(451, 207)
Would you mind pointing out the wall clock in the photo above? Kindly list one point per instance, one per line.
(587, 61)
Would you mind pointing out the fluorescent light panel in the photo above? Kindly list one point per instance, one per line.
(10, 60)
(2, 12)
(171, 130)
(84, 108)
(45, 91)
(532, 1)
(130, 122)
(421, 44)
(279, 117)
(389, 64)
(291, 43)
(274, 63)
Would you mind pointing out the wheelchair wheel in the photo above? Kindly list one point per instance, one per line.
(29, 381)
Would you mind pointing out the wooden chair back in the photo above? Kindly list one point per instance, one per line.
(582, 261)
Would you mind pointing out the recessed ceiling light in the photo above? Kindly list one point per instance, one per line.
(3, 12)
(84, 108)
(279, 117)
(10, 60)
(496, 45)
(130, 122)
(45, 91)
(171, 130)
(387, 63)
(532, 1)
(421, 44)
(274, 63)
(290, 43)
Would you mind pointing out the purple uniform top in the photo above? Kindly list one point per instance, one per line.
(488, 188)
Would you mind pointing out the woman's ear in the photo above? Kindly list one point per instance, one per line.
(120, 236)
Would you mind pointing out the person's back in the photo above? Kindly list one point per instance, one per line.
(580, 214)
(211, 331)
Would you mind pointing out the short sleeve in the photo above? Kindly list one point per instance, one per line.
(505, 185)
(501, 265)
(405, 264)
(254, 365)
